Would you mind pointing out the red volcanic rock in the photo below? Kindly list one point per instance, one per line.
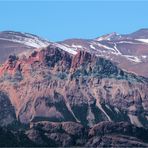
(53, 85)
(80, 58)
(129, 51)
(65, 96)
(73, 100)
(12, 65)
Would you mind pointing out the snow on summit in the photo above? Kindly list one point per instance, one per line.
(24, 38)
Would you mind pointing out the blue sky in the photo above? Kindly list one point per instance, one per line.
(59, 20)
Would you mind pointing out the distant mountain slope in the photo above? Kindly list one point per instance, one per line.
(128, 51)
(16, 42)
(24, 38)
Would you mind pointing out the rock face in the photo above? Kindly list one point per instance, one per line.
(54, 98)
(108, 134)
(121, 134)
(53, 85)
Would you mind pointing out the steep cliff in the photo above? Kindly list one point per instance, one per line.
(54, 85)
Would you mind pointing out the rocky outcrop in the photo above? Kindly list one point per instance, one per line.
(68, 100)
(71, 134)
(121, 134)
(128, 51)
(57, 134)
(52, 85)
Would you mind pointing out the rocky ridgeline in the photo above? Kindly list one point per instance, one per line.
(53, 85)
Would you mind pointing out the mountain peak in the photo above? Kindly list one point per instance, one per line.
(107, 36)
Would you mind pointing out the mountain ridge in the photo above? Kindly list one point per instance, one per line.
(127, 51)
(72, 93)
(52, 67)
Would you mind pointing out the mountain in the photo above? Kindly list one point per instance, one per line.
(70, 94)
(19, 43)
(129, 52)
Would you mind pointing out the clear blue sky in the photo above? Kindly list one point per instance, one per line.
(58, 20)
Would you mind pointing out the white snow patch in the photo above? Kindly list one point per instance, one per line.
(134, 120)
(132, 58)
(91, 46)
(32, 42)
(74, 47)
(106, 47)
(77, 46)
(117, 51)
(143, 40)
(127, 42)
(100, 39)
(107, 37)
(144, 56)
(68, 49)
(110, 49)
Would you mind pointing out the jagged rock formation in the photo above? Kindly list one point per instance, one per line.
(67, 96)
(128, 51)
(53, 85)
